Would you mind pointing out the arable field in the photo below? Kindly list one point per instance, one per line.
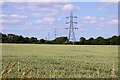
(59, 61)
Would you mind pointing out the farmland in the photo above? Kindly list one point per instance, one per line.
(62, 61)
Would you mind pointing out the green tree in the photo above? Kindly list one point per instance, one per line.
(113, 40)
(60, 40)
(101, 41)
(3, 38)
(89, 41)
(82, 40)
(10, 38)
(48, 42)
(107, 42)
(26, 40)
(33, 40)
(42, 41)
(94, 42)
(98, 41)
(117, 40)
(20, 39)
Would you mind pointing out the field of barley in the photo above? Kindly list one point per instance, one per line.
(59, 61)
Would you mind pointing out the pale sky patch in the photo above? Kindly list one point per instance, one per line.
(109, 0)
(102, 9)
(36, 0)
(40, 18)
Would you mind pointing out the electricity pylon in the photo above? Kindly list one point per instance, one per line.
(71, 28)
(55, 33)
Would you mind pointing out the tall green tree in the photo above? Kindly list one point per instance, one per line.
(82, 40)
(42, 41)
(113, 40)
(117, 40)
(89, 41)
(33, 40)
(3, 37)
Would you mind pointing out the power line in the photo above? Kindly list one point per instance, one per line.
(55, 33)
(48, 37)
(71, 28)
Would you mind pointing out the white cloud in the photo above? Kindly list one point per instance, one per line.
(12, 18)
(113, 22)
(46, 20)
(45, 9)
(49, 0)
(53, 12)
(41, 9)
(37, 6)
(9, 21)
(17, 6)
(36, 0)
(102, 9)
(28, 23)
(101, 21)
(90, 19)
(93, 21)
(18, 16)
(2, 15)
(109, 0)
(48, 11)
(70, 7)
(15, 21)
(1, 21)
(101, 18)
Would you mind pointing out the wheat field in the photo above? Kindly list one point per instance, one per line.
(59, 61)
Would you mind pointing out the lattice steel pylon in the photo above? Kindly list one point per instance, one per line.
(71, 28)
(55, 33)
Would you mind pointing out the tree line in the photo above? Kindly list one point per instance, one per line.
(12, 38)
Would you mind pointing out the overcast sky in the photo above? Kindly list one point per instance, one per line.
(38, 19)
